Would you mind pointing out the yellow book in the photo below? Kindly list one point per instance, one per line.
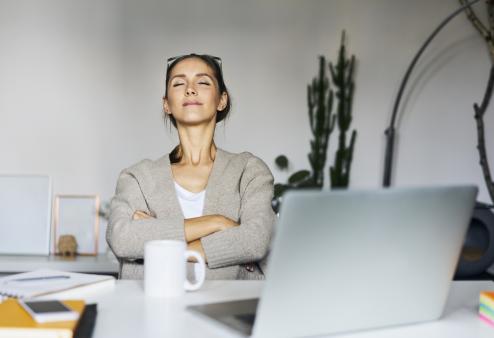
(15, 322)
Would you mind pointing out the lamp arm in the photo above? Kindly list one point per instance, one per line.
(479, 119)
(390, 132)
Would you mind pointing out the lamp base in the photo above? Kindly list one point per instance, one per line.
(477, 255)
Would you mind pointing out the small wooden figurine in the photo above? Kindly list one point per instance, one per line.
(67, 245)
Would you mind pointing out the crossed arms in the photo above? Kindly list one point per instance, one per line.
(222, 241)
(196, 228)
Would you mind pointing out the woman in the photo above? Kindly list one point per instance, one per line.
(216, 201)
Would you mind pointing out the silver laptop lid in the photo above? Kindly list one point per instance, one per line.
(351, 260)
(25, 214)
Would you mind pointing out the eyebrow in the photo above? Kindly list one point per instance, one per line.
(197, 75)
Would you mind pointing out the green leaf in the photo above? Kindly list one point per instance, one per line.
(279, 189)
(299, 176)
(281, 162)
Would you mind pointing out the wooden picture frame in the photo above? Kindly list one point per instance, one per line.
(77, 215)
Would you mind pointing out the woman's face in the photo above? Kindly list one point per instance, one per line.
(193, 95)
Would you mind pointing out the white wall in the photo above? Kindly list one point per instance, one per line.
(269, 51)
(81, 84)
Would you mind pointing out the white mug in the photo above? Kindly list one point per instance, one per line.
(165, 268)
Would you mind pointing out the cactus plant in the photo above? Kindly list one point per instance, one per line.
(342, 75)
(322, 122)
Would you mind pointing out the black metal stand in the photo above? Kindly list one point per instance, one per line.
(391, 131)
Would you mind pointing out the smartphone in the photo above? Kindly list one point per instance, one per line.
(43, 311)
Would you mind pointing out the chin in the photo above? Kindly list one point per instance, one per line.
(196, 121)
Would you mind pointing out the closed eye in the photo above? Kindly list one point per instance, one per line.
(177, 84)
(205, 83)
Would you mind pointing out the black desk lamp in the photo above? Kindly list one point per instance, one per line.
(391, 131)
(480, 236)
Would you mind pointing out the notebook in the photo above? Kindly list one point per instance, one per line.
(47, 282)
(16, 322)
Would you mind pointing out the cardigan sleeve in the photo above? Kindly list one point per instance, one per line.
(125, 236)
(249, 241)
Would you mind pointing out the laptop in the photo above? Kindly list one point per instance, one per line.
(353, 260)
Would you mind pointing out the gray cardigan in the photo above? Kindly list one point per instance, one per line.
(240, 187)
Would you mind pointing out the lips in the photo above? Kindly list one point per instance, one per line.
(192, 103)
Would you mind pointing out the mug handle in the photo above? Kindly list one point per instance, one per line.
(200, 273)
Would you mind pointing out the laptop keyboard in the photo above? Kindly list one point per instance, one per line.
(247, 318)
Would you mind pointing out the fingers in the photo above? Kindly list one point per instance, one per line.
(140, 215)
(227, 222)
(196, 246)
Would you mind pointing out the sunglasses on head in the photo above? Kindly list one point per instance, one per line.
(171, 60)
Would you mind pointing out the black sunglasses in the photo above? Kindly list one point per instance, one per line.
(170, 61)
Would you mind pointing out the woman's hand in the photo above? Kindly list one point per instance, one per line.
(196, 246)
(198, 227)
(226, 223)
(140, 215)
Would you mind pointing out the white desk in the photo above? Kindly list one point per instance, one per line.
(89, 264)
(124, 311)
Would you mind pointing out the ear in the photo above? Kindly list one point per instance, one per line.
(223, 102)
(166, 107)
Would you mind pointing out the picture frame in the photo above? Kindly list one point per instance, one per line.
(77, 215)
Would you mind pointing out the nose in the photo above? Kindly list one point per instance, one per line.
(190, 91)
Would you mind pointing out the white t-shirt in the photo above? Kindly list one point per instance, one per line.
(192, 203)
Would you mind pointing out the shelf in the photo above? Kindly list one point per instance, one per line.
(87, 264)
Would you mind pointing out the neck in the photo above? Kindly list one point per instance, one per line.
(196, 144)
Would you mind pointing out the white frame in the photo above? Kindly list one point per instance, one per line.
(25, 225)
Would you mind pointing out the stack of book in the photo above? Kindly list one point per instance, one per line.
(16, 322)
(486, 308)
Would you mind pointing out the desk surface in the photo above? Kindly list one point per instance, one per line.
(124, 311)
